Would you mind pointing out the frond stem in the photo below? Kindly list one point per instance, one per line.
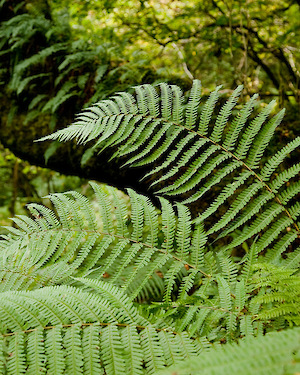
(87, 325)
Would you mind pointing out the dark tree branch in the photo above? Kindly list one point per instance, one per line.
(19, 136)
(255, 57)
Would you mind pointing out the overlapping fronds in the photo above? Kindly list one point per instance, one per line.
(255, 297)
(132, 245)
(64, 330)
(114, 285)
(188, 155)
(273, 354)
(278, 293)
(125, 245)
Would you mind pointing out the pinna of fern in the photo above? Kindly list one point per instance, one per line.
(188, 151)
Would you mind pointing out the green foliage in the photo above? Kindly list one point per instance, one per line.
(251, 43)
(45, 68)
(187, 157)
(117, 285)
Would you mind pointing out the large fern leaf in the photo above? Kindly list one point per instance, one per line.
(189, 156)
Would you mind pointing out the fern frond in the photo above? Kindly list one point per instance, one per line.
(16, 364)
(186, 285)
(183, 235)
(224, 114)
(261, 142)
(171, 277)
(207, 111)
(54, 351)
(236, 126)
(249, 261)
(168, 224)
(240, 295)
(133, 353)
(246, 326)
(90, 348)
(252, 130)
(112, 355)
(126, 246)
(187, 318)
(193, 156)
(73, 345)
(177, 107)
(153, 352)
(199, 239)
(228, 267)
(36, 352)
(172, 352)
(65, 330)
(224, 293)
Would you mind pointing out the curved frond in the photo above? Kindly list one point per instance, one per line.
(187, 155)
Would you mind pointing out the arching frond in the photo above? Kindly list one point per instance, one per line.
(193, 155)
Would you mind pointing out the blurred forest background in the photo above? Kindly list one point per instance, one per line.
(58, 56)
